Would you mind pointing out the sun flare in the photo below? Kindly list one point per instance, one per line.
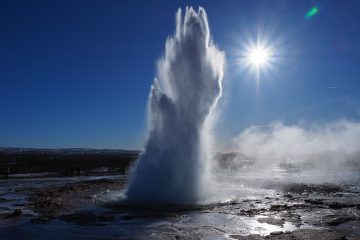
(258, 56)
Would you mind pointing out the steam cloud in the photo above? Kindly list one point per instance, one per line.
(332, 145)
(174, 168)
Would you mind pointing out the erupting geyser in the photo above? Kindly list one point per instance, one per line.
(174, 168)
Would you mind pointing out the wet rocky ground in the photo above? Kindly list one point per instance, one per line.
(319, 211)
(66, 209)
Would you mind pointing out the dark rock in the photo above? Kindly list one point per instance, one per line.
(338, 205)
(250, 212)
(247, 237)
(18, 204)
(276, 233)
(315, 201)
(352, 237)
(15, 213)
(105, 218)
(333, 220)
(86, 218)
(306, 188)
(301, 234)
(285, 207)
(40, 220)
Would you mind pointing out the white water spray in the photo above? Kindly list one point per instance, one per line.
(174, 168)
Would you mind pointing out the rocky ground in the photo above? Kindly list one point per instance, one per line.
(315, 211)
(333, 210)
(62, 201)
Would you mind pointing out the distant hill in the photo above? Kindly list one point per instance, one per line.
(67, 150)
(65, 161)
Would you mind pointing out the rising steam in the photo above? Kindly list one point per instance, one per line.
(174, 167)
(333, 145)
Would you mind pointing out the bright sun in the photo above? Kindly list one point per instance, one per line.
(258, 56)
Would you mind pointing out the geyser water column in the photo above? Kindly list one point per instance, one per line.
(174, 167)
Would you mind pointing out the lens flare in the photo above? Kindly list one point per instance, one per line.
(311, 13)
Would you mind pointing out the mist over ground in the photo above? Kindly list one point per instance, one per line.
(330, 146)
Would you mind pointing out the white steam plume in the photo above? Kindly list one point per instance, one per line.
(330, 145)
(174, 167)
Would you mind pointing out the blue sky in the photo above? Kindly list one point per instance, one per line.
(78, 73)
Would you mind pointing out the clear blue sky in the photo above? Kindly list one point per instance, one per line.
(78, 73)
